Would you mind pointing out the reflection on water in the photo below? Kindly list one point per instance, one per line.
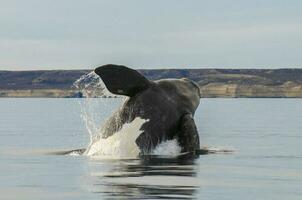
(149, 177)
(265, 133)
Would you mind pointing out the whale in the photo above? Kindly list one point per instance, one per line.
(167, 105)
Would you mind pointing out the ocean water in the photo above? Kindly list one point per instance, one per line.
(265, 134)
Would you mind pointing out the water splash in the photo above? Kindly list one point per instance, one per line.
(167, 148)
(93, 112)
(91, 87)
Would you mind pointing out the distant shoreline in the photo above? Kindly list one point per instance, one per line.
(216, 91)
(214, 83)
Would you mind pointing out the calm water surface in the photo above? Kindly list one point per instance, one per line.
(265, 133)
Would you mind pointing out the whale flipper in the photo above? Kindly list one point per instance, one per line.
(122, 80)
(188, 135)
(68, 152)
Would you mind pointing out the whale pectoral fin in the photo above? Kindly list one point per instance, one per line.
(68, 152)
(122, 80)
(188, 137)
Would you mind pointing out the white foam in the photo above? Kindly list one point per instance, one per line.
(219, 149)
(121, 144)
(167, 148)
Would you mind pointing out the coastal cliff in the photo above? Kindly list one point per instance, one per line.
(255, 91)
(230, 83)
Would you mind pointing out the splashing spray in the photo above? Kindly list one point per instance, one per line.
(91, 87)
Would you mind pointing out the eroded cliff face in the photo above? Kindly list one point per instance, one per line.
(49, 93)
(212, 90)
(236, 90)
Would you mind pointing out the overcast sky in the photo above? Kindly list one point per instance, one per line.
(81, 34)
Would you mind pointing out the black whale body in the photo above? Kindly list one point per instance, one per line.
(168, 105)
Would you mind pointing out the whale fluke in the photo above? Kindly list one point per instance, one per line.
(122, 80)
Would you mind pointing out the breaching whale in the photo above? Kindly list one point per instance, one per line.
(168, 105)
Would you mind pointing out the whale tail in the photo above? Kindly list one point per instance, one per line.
(68, 152)
(122, 80)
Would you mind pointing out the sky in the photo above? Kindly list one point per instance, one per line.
(78, 34)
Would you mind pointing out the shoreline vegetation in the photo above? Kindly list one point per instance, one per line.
(214, 83)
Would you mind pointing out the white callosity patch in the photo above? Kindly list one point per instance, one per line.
(167, 148)
(121, 144)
